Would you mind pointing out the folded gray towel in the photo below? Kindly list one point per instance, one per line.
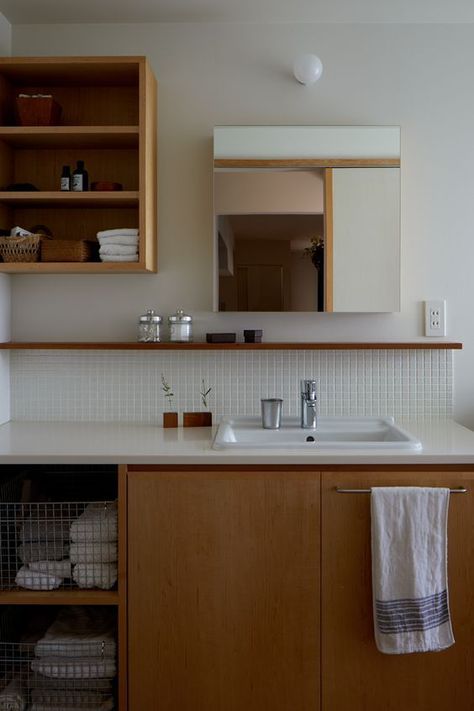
(79, 631)
(34, 551)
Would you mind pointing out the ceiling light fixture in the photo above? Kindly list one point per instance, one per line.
(307, 68)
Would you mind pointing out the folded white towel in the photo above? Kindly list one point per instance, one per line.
(75, 667)
(79, 631)
(12, 697)
(119, 258)
(95, 575)
(69, 698)
(33, 580)
(93, 552)
(409, 569)
(61, 568)
(106, 705)
(117, 249)
(102, 686)
(34, 551)
(97, 523)
(121, 231)
(127, 240)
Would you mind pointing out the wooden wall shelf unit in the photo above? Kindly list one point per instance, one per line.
(135, 346)
(109, 121)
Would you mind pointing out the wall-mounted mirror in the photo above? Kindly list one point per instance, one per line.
(307, 218)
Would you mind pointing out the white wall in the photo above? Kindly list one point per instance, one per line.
(5, 36)
(415, 76)
(5, 50)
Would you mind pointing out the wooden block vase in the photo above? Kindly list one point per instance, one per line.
(197, 419)
(170, 419)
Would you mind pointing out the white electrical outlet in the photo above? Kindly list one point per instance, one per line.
(435, 318)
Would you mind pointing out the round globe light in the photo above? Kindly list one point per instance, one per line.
(307, 68)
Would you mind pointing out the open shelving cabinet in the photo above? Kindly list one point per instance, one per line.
(109, 121)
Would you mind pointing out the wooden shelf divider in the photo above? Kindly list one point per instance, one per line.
(59, 597)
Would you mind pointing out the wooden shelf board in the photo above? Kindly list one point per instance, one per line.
(123, 198)
(78, 71)
(59, 597)
(73, 268)
(70, 136)
(135, 346)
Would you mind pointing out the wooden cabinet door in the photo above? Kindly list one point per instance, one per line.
(224, 591)
(356, 676)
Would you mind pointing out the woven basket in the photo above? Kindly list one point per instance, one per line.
(20, 249)
(37, 111)
(66, 250)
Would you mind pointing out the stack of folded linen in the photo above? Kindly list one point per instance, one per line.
(43, 550)
(13, 698)
(93, 548)
(75, 662)
(120, 245)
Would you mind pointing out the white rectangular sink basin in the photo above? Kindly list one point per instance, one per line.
(331, 433)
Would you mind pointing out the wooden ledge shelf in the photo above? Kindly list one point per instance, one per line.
(70, 136)
(91, 198)
(59, 597)
(73, 268)
(135, 346)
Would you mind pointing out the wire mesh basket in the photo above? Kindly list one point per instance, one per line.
(50, 545)
(56, 668)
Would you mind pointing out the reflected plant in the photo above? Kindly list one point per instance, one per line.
(315, 251)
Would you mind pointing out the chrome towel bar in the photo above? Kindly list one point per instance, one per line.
(459, 490)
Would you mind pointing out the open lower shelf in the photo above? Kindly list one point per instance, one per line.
(70, 136)
(122, 198)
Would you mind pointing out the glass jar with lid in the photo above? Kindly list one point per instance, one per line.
(181, 327)
(149, 327)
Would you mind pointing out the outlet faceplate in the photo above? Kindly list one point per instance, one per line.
(435, 318)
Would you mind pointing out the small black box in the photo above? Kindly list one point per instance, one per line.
(253, 336)
(220, 337)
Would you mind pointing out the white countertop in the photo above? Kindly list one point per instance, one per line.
(444, 442)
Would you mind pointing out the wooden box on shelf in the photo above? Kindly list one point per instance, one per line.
(108, 120)
(37, 111)
(67, 250)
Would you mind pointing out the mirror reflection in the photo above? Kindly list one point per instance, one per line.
(270, 232)
(307, 234)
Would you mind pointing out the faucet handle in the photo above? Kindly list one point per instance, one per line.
(308, 389)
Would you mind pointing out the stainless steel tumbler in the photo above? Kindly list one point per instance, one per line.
(271, 413)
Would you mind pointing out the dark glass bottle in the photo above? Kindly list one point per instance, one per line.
(80, 178)
(66, 178)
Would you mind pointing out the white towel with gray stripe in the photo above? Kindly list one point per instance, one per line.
(409, 569)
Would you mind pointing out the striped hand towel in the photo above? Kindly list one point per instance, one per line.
(409, 569)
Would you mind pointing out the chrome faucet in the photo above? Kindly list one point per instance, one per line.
(309, 418)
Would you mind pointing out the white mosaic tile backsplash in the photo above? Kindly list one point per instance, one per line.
(125, 386)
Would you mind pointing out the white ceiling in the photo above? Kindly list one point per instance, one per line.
(111, 11)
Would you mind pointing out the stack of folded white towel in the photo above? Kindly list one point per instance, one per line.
(120, 245)
(13, 697)
(75, 662)
(93, 549)
(43, 549)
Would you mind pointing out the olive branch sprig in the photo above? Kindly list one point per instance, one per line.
(166, 387)
(204, 393)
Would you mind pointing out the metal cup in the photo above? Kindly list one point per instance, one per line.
(271, 413)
